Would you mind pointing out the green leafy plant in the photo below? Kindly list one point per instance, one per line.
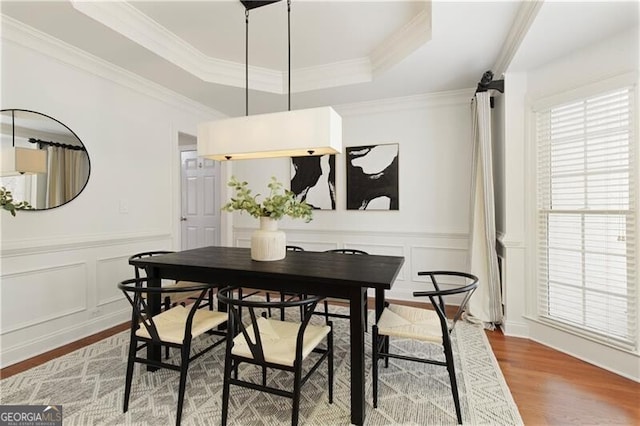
(280, 202)
(7, 203)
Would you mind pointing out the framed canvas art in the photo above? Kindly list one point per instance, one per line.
(372, 177)
(313, 179)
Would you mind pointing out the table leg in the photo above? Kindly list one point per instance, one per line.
(357, 356)
(154, 303)
(379, 302)
(379, 309)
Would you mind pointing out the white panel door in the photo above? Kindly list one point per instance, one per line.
(200, 211)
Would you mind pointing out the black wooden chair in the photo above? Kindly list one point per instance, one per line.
(426, 325)
(173, 299)
(273, 344)
(175, 327)
(327, 313)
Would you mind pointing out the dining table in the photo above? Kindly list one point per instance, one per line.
(321, 273)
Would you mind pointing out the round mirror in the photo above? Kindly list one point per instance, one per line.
(43, 162)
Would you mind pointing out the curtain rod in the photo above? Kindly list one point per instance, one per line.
(58, 144)
(486, 83)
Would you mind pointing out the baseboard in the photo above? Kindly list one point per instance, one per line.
(34, 347)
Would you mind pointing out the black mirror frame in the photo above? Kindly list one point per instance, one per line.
(76, 136)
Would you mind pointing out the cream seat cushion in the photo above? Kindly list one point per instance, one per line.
(409, 322)
(171, 323)
(279, 340)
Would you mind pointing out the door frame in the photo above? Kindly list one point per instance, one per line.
(224, 193)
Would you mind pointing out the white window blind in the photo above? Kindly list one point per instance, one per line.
(586, 217)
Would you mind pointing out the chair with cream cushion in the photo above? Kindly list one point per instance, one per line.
(426, 325)
(175, 327)
(270, 343)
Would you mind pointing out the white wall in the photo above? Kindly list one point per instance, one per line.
(60, 267)
(606, 59)
(430, 228)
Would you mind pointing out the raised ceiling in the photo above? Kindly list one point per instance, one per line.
(342, 51)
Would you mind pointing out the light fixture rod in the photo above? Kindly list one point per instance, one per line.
(13, 128)
(246, 62)
(289, 54)
(311, 131)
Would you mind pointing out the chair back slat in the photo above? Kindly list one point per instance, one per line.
(463, 305)
(346, 251)
(438, 296)
(237, 304)
(255, 344)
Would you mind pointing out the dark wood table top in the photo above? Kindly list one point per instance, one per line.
(323, 273)
(311, 267)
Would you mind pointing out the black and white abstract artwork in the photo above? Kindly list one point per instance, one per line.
(372, 177)
(313, 179)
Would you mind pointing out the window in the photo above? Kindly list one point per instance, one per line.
(586, 216)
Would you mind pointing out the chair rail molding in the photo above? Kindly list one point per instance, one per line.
(51, 245)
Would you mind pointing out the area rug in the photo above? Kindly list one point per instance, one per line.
(89, 384)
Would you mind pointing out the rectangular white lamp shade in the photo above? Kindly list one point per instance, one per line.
(17, 160)
(314, 131)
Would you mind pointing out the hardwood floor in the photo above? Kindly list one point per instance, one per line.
(549, 387)
(552, 388)
(63, 350)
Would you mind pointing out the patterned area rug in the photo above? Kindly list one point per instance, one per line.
(89, 384)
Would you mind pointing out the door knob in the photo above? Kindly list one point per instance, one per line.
(183, 219)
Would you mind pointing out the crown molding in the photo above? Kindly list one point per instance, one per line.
(427, 100)
(337, 74)
(16, 32)
(128, 21)
(403, 42)
(527, 12)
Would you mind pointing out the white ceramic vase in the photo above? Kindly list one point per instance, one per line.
(267, 243)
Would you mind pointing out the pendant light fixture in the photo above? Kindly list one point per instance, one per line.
(313, 131)
(16, 160)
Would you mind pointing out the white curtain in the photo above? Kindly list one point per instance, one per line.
(67, 172)
(486, 303)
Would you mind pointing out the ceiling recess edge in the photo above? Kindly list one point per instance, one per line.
(128, 21)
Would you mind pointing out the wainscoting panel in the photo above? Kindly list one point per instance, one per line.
(434, 259)
(109, 272)
(54, 294)
(48, 293)
(422, 251)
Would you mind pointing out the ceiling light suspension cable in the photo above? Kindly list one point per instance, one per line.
(13, 128)
(246, 62)
(311, 131)
(289, 53)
